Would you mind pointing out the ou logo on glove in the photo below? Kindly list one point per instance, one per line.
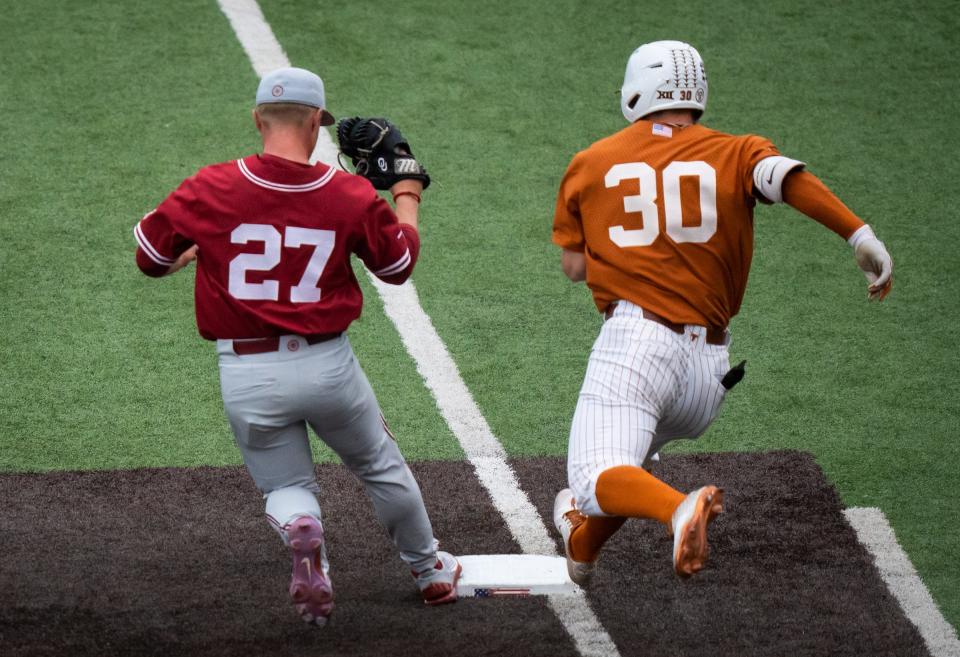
(382, 163)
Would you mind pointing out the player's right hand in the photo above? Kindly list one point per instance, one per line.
(184, 259)
(877, 265)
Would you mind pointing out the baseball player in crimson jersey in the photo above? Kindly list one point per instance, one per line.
(272, 236)
(658, 219)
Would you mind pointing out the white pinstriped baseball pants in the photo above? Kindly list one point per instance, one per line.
(645, 385)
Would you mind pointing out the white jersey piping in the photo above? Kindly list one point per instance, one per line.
(396, 267)
(148, 248)
(280, 187)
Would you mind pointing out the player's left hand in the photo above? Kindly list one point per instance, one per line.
(877, 266)
(184, 259)
(379, 152)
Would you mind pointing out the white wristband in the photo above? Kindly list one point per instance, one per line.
(859, 235)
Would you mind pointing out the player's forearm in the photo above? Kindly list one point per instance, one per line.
(406, 198)
(408, 211)
(807, 193)
(574, 265)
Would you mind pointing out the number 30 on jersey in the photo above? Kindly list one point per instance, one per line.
(644, 203)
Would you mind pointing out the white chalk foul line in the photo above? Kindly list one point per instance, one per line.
(441, 375)
(875, 532)
(255, 35)
(485, 452)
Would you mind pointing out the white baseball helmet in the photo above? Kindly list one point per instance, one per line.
(663, 75)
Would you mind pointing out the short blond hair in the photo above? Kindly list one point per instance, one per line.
(285, 113)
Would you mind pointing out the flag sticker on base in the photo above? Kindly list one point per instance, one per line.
(513, 575)
(490, 593)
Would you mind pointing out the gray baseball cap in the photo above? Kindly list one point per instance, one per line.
(294, 85)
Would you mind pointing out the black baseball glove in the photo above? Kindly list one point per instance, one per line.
(379, 152)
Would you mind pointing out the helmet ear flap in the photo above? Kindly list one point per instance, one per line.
(633, 101)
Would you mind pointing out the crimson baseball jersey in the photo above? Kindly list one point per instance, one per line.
(664, 216)
(275, 239)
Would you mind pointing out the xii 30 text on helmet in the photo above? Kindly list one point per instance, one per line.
(663, 75)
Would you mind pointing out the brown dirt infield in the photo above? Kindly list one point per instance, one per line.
(181, 562)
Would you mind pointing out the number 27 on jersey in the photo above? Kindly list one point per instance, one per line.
(269, 290)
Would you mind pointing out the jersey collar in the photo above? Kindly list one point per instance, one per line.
(278, 174)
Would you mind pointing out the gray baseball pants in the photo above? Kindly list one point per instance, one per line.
(270, 399)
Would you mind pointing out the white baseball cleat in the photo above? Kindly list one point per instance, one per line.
(689, 522)
(438, 585)
(566, 517)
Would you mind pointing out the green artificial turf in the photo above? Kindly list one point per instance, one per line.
(102, 367)
(107, 106)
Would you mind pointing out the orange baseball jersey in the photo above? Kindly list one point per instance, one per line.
(664, 216)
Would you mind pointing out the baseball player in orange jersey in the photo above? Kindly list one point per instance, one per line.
(658, 219)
